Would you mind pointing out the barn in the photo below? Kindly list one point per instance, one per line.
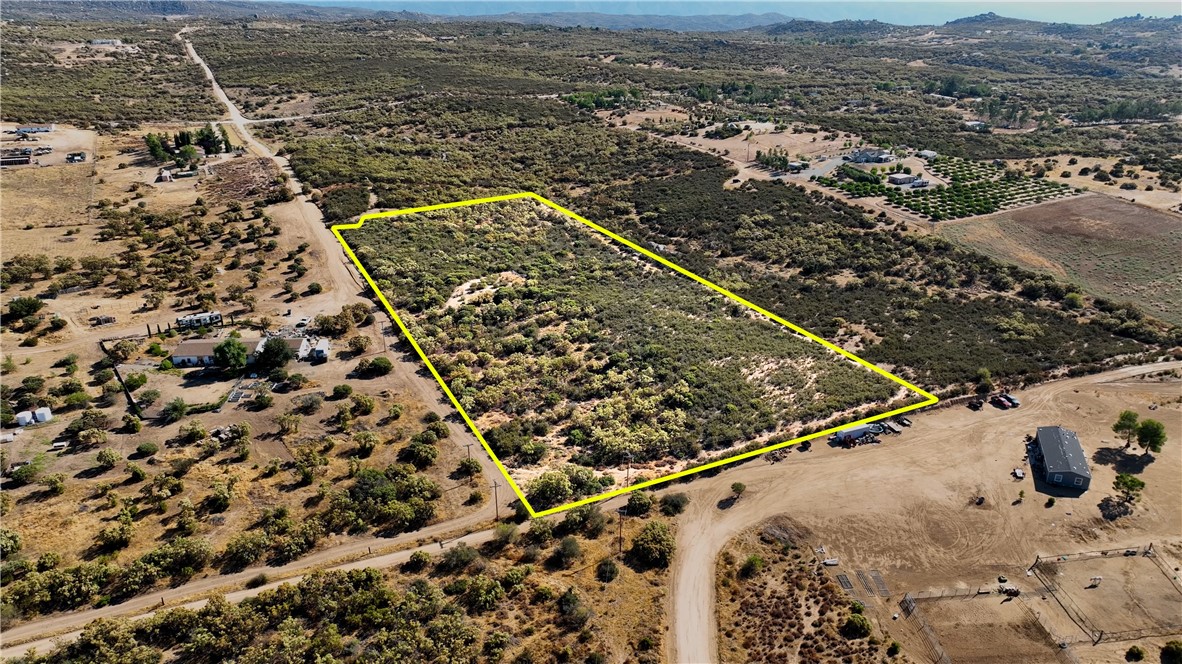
(1063, 460)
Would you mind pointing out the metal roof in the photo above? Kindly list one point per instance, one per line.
(1061, 451)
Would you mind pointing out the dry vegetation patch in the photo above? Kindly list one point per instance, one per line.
(1109, 247)
(776, 604)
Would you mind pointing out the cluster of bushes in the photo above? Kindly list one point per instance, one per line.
(654, 385)
(905, 286)
(33, 588)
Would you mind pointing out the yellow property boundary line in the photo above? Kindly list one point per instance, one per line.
(929, 398)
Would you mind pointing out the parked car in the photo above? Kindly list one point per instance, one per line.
(1000, 403)
(976, 404)
(1014, 403)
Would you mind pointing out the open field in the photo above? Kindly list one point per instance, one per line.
(989, 630)
(52, 195)
(1111, 248)
(1134, 594)
(519, 308)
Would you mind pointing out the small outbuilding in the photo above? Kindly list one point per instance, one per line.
(322, 349)
(43, 414)
(298, 345)
(24, 419)
(900, 178)
(1063, 460)
(927, 154)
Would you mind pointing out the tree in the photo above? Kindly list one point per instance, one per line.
(359, 344)
(174, 410)
(230, 355)
(274, 354)
(857, 626)
(209, 139)
(289, 424)
(1128, 487)
(984, 381)
(186, 157)
(674, 504)
(607, 570)
(157, 147)
(655, 544)
(55, 483)
(549, 489)
(639, 503)
(568, 551)
(1151, 435)
(132, 424)
(10, 542)
(468, 467)
(1171, 653)
(24, 306)
(107, 458)
(738, 488)
(1126, 426)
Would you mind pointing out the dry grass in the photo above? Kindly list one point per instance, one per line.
(787, 611)
(1109, 247)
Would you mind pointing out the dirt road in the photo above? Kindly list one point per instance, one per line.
(67, 626)
(340, 271)
(902, 506)
(340, 274)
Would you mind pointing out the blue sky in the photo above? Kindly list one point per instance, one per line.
(892, 11)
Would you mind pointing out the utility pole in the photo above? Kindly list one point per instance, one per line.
(469, 448)
(496, 503)
(620, 530)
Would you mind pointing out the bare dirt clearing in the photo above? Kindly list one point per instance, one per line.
(1109, 247)
(907, 508)
(1134, 593)
(990, 629)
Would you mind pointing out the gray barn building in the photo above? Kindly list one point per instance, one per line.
(1063, 459)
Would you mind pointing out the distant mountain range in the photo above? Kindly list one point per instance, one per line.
(120, 10)
(136, 10)
(704, 23)
(770, 22)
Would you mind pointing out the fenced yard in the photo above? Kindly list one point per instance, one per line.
(1114, 595)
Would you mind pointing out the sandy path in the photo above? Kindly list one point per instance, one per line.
(893, 500)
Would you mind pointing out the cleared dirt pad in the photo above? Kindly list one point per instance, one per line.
(1133, 595)
(1111, 248)
(989, 629)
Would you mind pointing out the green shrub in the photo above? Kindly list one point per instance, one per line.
(607, 570)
